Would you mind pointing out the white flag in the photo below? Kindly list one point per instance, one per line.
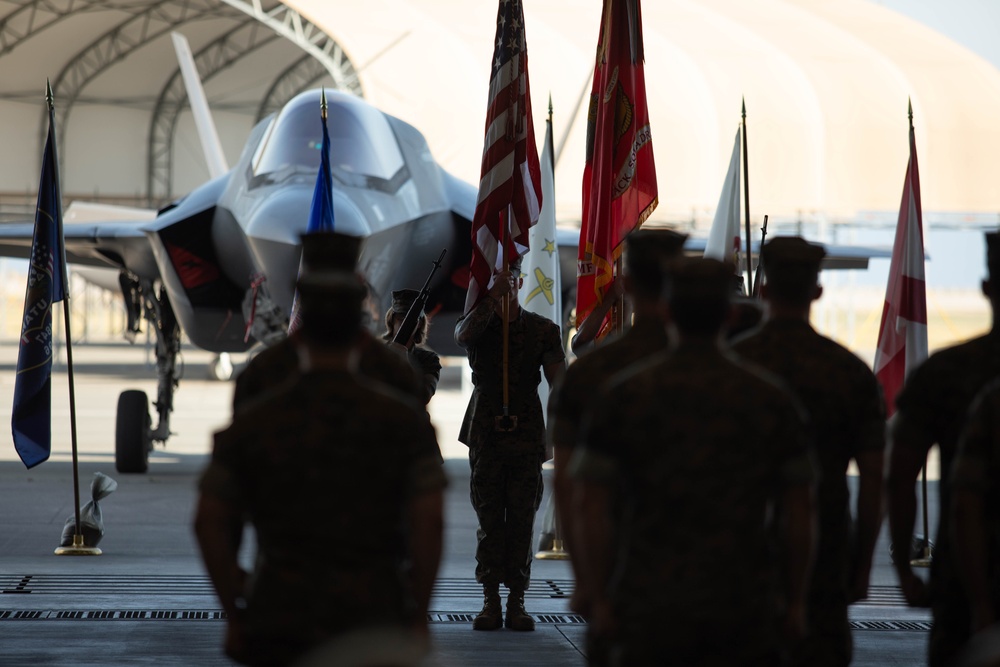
(723, 241)
(542, 291)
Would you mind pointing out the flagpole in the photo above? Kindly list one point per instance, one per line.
(926, 559)
(552, 151)
(746, 200)
(505, 310)
(78, 548)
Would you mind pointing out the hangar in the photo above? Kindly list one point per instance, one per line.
(826, 88)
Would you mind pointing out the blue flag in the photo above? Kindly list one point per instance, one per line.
(321, 210)
(32, 416)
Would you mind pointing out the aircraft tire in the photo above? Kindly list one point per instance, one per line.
(221, 367)
(132, 424)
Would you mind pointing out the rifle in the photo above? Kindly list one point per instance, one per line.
(409, 324)
(760, 261)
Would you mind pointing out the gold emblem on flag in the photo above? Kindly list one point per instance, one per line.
(623, 113)
(545, 285)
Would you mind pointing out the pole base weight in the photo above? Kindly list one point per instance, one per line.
(78, 549)
(555, 553)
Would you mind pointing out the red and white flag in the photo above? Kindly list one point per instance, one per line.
(619, 177)
(902, 336)
(510, 190)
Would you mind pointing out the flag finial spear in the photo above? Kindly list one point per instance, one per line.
(550, 104)
(48, 94)
(909, 110)
(744, 107)
(322, 103)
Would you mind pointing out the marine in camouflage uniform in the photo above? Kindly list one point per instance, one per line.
(975, 512)
(345, 540)
(844, 402)
(279, 363)
(425, 362)
(645, 253)
(323, 252)
(506, 482)
(698, 451)
(932, 408)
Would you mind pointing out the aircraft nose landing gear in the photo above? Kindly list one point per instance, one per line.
(134, 434)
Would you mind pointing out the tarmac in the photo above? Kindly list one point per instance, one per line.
(147, 600)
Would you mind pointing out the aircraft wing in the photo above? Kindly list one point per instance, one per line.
(111, 244)
(837, 256)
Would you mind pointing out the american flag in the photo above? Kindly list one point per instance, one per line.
(510, 190)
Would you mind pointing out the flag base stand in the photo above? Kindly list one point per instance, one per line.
(923, 562)
(557, 552)
(78, 549)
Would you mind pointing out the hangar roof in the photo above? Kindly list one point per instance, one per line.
(826, 88)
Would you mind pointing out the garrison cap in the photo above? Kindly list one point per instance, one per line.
(784, 251)
(402, 299)
(993, 254)
(646, 252)
(699, 278)
(792, 264)
(330, 251)
(648, 248)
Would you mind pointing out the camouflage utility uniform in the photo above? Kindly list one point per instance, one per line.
(572, 395)
(280, 362)
(699, 449)
(331, 549)
(934, 403)
(506, 484)
(847, 418)
(976, 470)
(427, 365)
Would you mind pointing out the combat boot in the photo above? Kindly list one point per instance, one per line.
(490, 618)
(517, 618)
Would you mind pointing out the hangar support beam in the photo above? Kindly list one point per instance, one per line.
(32, 17)
(300, 31)
(158, 19)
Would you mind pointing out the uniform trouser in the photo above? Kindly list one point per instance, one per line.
(828, 640)
(951, 629)
(506, 490)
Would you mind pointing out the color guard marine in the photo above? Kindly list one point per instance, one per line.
(506, 441)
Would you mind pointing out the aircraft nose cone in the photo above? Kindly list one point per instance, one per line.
(284, 216)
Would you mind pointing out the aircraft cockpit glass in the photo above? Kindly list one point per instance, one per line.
(362, 144)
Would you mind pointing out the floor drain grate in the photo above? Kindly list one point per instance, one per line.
(913, 626)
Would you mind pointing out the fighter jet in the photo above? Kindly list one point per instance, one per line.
(220, 263)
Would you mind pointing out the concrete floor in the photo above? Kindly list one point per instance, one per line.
(146, 599)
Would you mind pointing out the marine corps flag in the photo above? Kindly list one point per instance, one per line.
(31, 421)
(510, 190)
(902, 335)
(619, 178)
